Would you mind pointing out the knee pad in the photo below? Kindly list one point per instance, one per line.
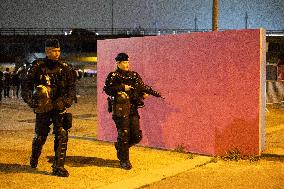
(123, 135)
(62, 135)
(137, 137)
(60, 147)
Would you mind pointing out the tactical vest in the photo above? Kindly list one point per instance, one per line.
(52, 77)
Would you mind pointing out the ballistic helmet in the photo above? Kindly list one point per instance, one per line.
(54, 43)
(41, 97)
(121, 57)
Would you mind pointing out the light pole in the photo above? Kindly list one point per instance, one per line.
(195, 23)
(246, 20)
(215, 15)
(111, 17)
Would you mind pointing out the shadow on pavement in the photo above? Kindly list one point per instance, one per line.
(17, 168)
(81, 161)
(273, 157)
(84, 116)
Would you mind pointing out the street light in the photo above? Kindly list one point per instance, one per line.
(215, 15)
(195, 23)
(111, 17)
(246, 20)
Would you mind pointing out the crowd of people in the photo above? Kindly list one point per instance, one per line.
(10, 84)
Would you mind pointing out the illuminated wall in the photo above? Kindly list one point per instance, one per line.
(213, 84)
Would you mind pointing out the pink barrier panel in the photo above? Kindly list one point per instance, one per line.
(213, 84)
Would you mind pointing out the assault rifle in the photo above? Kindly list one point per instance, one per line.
(138, 91)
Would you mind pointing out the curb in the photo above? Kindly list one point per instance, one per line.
(159, 174)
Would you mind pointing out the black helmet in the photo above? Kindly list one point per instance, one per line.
(121, 57)
(41, 97)
(54, 43)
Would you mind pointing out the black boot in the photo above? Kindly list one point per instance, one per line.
(125, 165)
(60, 171)
(60, 147)
(123, 155)
(37, 144)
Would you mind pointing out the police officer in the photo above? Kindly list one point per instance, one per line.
(49, 88)
(1, 85)
(7, 82)
(125, 89)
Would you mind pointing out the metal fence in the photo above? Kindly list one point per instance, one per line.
(109, 31)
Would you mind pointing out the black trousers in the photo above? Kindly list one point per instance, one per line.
(128, 129)
(1, 89)
(44, 121)
(128, 134)
(42, 129)
(6, 91)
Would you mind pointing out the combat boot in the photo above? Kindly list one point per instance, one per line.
(60, 147)
(60, 171)
(37, 144)
(123, 156)
(125, 165)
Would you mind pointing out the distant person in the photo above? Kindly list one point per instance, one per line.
(49, 88)
(127, 91)
(7, 82)
(280, 67)
(1, 85)
(15, 83)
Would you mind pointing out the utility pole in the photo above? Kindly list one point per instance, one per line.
(215, 15)
(246, 20)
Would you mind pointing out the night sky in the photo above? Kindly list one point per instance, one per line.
(144, 13)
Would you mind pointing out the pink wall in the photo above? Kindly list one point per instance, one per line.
(212, 88)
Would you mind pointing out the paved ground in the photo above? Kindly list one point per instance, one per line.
(93, 164)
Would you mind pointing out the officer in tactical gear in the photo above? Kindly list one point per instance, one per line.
(1, 85)
(49, 88)
(127, 91)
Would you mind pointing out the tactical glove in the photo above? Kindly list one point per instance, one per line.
(68, 102)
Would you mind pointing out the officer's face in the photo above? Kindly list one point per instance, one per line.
(52, 53)
(123, 65)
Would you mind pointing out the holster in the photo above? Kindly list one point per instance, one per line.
(109, 104)
(121, 110)
(67, 121)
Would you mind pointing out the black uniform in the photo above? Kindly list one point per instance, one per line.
(58, 77)
(16, 82)
(124, 105)
(1, 85)
(7, 83)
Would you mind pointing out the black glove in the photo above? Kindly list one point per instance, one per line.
(68, 102)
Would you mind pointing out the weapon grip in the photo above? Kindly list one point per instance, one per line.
(109, 104)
